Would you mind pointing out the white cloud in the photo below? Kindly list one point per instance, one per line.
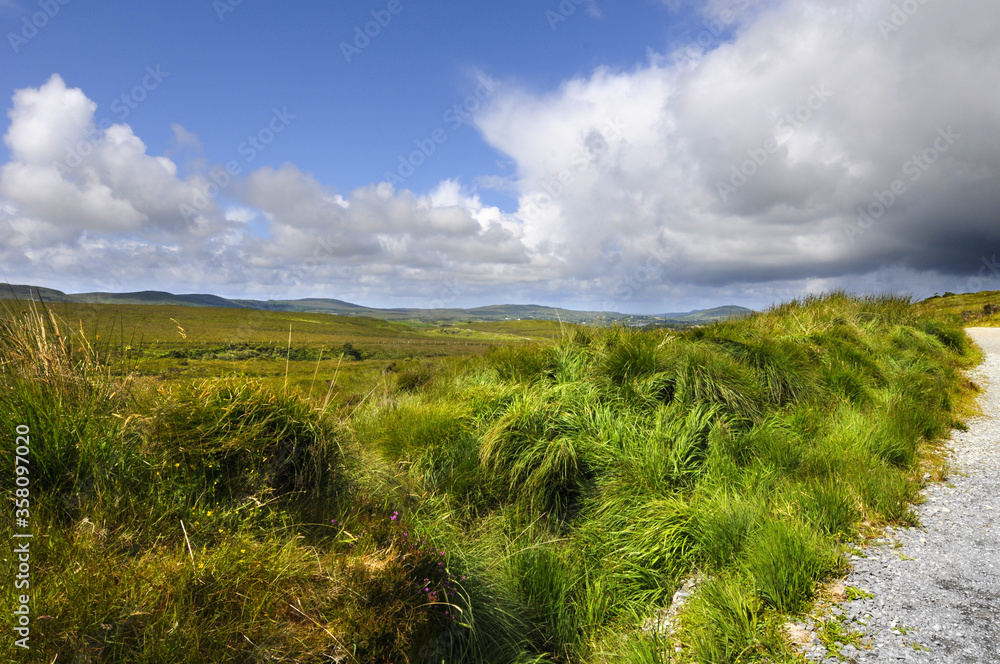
(69, 174)
(185, 139)
(617, 176)
(45, 121)
(241, 215)
(396, 239)
(77, 200)
(603, 203)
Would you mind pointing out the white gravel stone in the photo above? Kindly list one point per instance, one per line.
(951, 587)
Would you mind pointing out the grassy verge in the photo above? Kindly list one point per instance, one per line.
(539, 503)
(971, 309)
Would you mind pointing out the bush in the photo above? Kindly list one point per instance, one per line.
(576, 483)
(248, 440)
(724, 523)
(724, 620)
(351, 353)
(413, 380)
(68, 393)
(785, 561)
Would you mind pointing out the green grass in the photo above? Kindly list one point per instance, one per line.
(974, 309)
(467, 497)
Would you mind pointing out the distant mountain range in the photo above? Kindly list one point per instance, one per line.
(341, 308)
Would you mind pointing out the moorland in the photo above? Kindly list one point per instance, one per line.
(222, 485)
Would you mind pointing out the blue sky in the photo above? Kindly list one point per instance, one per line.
(352, 119)
(599, 165)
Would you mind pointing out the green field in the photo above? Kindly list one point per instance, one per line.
(306, 352)
(486, 314)
(160, 326)
(973, 309)
(204, 490)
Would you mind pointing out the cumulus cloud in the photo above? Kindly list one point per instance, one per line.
(749, 163)
(391, 240)
(68, 174)
(795, 146)
(76, 198)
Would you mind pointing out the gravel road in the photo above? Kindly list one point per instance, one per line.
(936, 589)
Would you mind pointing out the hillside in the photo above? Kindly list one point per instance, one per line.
(975, 309)
(490, 313)
(540, 502)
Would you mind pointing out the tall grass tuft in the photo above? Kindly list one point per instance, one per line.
(536, 504)
(55, 381)
(725, 621)
(246, 439)
(725, 523)
(785, 561)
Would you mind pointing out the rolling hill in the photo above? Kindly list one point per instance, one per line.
(490, 313)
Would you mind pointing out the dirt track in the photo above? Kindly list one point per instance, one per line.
(937, 588)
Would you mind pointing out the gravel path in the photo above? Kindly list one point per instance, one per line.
(936, 589)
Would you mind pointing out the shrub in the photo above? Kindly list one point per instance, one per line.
(516, 363)
(724, 524)
(248, 439)
(724, 621)
(785, 561)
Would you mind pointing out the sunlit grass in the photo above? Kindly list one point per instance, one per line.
(536, 502)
